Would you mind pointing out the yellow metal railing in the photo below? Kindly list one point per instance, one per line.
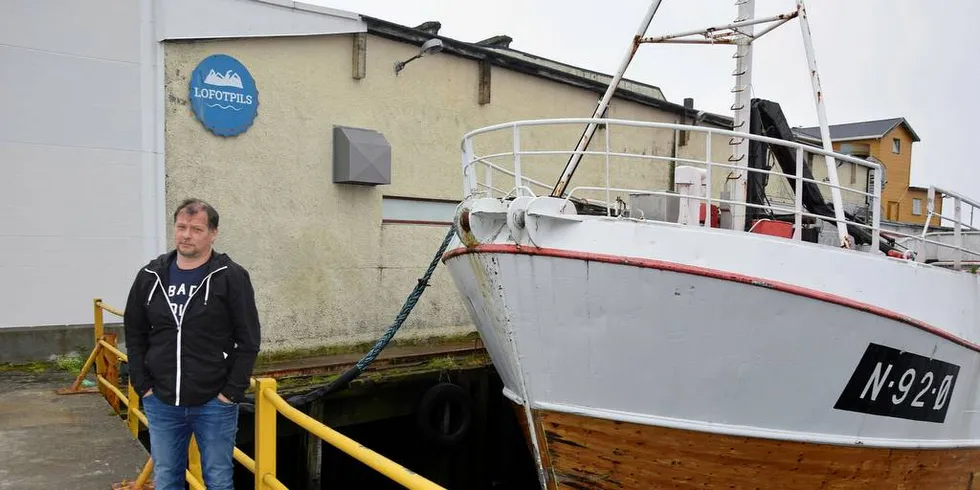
(268, 405)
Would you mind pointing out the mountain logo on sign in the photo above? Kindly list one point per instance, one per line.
(229, 79)
(223, 95)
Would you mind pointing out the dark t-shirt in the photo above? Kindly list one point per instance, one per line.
(183, 283)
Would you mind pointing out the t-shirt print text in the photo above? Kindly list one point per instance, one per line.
(181, 286)
(181, 292)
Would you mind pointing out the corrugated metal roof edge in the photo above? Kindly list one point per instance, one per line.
(398, 32)
(803, 132)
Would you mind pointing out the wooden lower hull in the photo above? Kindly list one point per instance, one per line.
(589, 453)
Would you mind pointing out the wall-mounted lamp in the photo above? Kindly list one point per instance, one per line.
(431, 46)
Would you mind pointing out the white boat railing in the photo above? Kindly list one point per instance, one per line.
(508, 161)
(958, 223)
(964, 246)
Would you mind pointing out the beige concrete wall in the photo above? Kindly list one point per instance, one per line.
(850, 176)
(326, 269)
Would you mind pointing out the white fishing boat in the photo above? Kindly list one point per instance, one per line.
(645, 346)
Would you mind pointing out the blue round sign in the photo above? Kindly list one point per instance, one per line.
(223, 95)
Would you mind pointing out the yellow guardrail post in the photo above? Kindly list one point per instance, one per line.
(99, 325)
(265, 433)
(134, 402)
(76, 386)
(144, 476)
(394, 471)
(100, 360)
(194, 459)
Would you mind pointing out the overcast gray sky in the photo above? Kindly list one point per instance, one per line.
(877, 59)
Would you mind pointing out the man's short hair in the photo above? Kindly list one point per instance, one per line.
(193, 206)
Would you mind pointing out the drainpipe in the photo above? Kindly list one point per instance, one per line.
(673, 163)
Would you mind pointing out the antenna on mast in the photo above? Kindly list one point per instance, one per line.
(742, 34)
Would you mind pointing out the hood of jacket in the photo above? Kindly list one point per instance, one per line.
(207, 349)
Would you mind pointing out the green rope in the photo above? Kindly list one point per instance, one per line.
(344, 379)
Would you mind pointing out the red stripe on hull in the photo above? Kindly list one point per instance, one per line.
(712, 273)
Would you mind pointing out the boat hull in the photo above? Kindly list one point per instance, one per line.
(592, 453)
(697, 352)
(720, 340)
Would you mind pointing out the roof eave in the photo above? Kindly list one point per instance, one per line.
(908, 127)
(397, 32)
(897, 121)
(852, 138)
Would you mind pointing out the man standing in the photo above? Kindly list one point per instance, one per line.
(192, 335)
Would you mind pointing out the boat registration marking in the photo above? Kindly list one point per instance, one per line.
(894, 383)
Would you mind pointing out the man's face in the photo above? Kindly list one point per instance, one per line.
(192, 236)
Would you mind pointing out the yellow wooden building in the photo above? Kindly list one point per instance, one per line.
(889, 142)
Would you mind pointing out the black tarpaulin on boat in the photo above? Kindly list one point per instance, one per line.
(767, 119)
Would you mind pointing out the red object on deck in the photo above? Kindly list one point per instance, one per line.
(715, 216)
(772, 228)
(898, 255)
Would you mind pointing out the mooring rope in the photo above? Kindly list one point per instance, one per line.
(344, 379)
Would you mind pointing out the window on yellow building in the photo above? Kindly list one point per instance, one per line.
(917, 207)
(896, 145)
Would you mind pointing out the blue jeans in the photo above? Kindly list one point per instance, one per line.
(214, 425)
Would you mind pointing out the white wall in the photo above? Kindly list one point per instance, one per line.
(76, 155)
(81, 139)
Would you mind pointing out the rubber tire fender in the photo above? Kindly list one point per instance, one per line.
(440, 395)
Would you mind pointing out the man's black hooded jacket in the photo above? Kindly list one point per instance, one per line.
(211, 350)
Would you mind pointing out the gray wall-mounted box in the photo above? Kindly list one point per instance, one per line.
(360, 156)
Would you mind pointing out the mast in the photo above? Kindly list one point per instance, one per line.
(824, 130)
(600, 109)
(742, 108)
